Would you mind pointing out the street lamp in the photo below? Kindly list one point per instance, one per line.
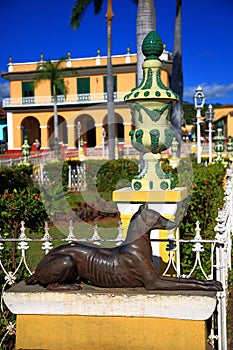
(209, 118)
(79, 134)
(103, 140)
(199, 101)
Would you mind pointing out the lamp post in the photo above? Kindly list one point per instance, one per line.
(79, 134)
(103, 140)
(209, 118)
(199, 101)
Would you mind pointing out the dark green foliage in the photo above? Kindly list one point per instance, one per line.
(23, 205)
(92, 167)
(116, 174)
(107, 176)
(53, 194)
(207, 196)
(190, 112)
(19, 205)
(57, 172)
(14, 178)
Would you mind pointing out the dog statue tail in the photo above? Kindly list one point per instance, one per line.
(31, 279)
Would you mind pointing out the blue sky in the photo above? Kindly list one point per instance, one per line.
(29, 28)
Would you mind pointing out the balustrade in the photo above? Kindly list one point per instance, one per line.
(61, 99)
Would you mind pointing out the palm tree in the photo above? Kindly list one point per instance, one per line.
(145, 23)
(78, 11)
(177, 71)
(54, 72)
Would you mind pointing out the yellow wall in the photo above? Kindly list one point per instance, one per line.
(220, 112)
(108, 333)
(126, 81)
(15, 89)
(70, 116)
(165, 77)
(227, 114)
(43, 89)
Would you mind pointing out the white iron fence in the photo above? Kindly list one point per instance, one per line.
(122, 150)
(220, 257)
(76, 177)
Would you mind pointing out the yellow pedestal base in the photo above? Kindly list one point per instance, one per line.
(160, 196)
(108, 333)
(109, 318)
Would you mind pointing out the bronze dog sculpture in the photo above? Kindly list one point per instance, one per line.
(129, 265)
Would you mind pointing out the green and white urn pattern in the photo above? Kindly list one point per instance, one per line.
(150, 104)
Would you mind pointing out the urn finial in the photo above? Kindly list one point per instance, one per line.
(150, 104)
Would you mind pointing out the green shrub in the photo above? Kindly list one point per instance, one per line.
(15, 177)
(19, 205)
(25, 205)
(206, 197)
(57, 172)
(116, 174)
(92, 167)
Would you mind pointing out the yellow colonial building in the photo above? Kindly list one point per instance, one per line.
(225, 115)
(82, 113)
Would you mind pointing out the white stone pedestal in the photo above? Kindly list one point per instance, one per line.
(109, 319)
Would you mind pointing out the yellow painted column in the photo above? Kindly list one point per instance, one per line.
(71, 135)
(44, 136)
(99, 135)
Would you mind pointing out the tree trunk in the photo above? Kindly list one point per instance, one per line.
(146, 22)
(177, 72)
(56, 131)
(56, 134)
(110, 97)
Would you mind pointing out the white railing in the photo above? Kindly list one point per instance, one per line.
(61, 99)
(126, 150)
(77, 178)
(220, 257)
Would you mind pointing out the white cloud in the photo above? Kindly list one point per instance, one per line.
(4, 90)
(213, 91)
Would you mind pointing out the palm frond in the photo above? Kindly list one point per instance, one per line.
(55, 72)
(97, 6)
(78, 12)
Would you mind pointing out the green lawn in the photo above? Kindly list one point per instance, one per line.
(106, 229)
(77, 197)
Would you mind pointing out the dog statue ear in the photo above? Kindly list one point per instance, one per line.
(144, 206)
(143, 209)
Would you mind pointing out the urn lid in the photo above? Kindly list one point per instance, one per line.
(151, 86)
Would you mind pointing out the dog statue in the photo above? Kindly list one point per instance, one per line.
(129, 265)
